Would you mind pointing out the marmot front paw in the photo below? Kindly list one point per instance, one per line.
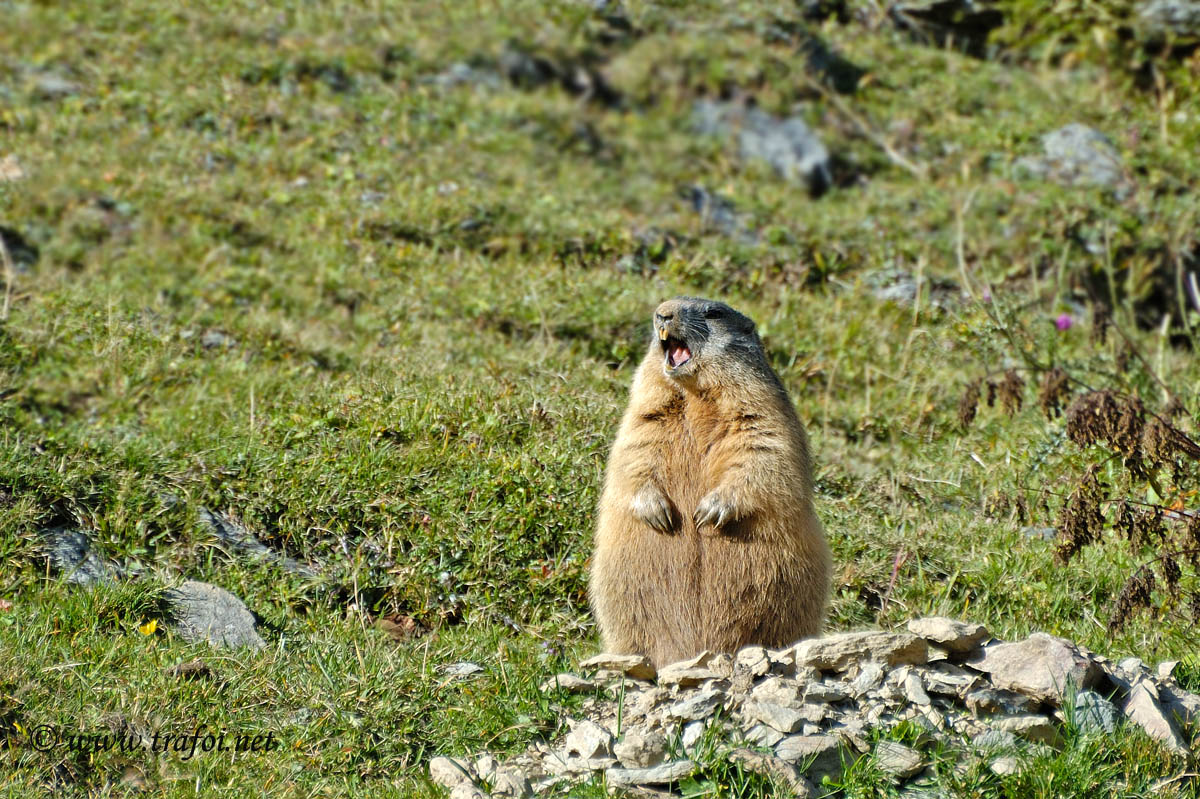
(651, 507)
(716, 508)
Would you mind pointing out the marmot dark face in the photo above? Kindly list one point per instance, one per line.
(694, 332)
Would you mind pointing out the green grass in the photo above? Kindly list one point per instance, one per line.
(380, 321)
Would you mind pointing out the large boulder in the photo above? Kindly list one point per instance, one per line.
(204, 612)
(1042, 667)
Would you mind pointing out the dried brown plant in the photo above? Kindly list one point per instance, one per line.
(1111, 424)
(1081, 521)
(1101, 318)
(1056, 389)
(1012, 389)
(968, 404)
(1136, 595)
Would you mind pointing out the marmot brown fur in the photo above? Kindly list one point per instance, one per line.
(707, 537)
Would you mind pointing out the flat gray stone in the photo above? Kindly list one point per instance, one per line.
(562, 764)
(946, 679)
(804, 675)
(950, 634)
(853, 732)
(588, 740)
(467, 791)
(662, 774)
(902, 287)
(783, 661)
(993, 739)
(636, 666)
(1042, 667)
(485, 767)
(52, 86)
(233, 533)
(449, 772)
(820, 755)
(1132, 668)
(692, 733)
(777, 690)
(1144, 709)
(787, 144)
(752, 660)
(464, 669)
(71, 555)
(1076, 155)
(699, 705)
(719, 213)
(762, 735)
(898, 760)
(933, 717)
(204, 612)
(1184, 706)
(647, 701)
(1176, 18)
(1095, 714)
(510, 783)
(870, 676)
(775, 768)
(983, 701)
(839, 652)
(914, 689)
(553, 782)
(692, 672)
(779, 717)
(685, 678)
(640, 749)
(1030, 726)
(826, 691)
(461, 73)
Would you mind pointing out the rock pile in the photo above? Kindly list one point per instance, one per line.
(805, 712)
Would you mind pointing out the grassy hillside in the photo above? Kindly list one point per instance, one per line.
(371, 279)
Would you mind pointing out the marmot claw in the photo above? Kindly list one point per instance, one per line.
(714, 509)
(654, 509)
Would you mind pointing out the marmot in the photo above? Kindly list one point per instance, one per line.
(706, 536)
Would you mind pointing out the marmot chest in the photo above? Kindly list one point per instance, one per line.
(692, 466)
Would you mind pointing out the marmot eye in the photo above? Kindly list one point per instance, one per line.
(713, 312)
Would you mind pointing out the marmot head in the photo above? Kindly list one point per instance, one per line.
(695, 335)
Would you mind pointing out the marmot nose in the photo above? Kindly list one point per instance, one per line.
(661, 323)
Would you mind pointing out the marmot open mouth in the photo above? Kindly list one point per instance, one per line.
(677, 352)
